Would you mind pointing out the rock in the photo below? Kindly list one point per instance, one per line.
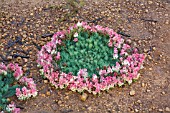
(167, 109)
(145, 50)
(167, 22)
(150, 69)
(143, 84)
(45, 81)
(48, 93)
(84, 97)
(146, 10)
(31, 14)
(43, 95)
(160, 110)
(19, 59)
(66, 98)
(9, 58)
(136, 110)
(59, 102)
(129, 41)
(24, 36)
(89, 108)
(149, 57)
(139, 101)
(148, 90)
(150, 2)
(54, 107)
(132, 93)
(163, 92)
(37, 25)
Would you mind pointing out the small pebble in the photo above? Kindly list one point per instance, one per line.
(19, 59)
(9, 58)
(132, 93)
(163, 92)
(167, 109)
(148, 90)
(160, 110)
(31, 14)
(45, 81)
(59, 102)
(84, 97)
(143, 84)
(149, 57)
(136, 110)
(150, 2)
(24, 35)
(167, 22)
(150, 69)
(43, 95)
(48, 93)
(54, 107)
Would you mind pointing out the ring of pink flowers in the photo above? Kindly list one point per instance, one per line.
(81, 82)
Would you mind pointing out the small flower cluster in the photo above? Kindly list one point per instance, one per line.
(126, 69)
(16, 69)
(26, 92)
(12, 108)
(28, 89)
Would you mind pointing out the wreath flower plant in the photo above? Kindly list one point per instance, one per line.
(13, 82)
(89, 58)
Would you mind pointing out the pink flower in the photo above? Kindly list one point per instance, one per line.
(115, 50)
(11, 66)
(75, 40)
(87, 27)
(94, 78)
(102, 72)
(33, 92)
(18, 73)
(16, 110)
(18, 92)
(24, 90)
(99, 28)
(58, 56)
(110, 44)
(109, 70)
(55, 75)
(3, 67)
(97, 87)
(62, 82)
(12, 108)
(115, 56)
(82, 73)
(125, 46)
(120, 83)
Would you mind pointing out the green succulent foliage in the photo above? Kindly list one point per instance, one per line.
(7, 88)
(90, 52)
